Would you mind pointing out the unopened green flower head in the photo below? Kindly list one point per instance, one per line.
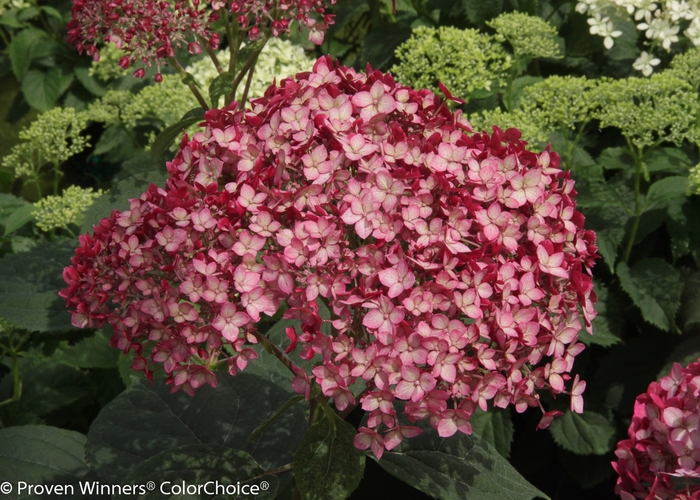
(530, 36)
(649, 110)
(566, 101)
(694, 180)
(527, 121)
(686, 66)
(462, 60)
(108, 109)
(54, 212)
(107, 68)
(52, 138)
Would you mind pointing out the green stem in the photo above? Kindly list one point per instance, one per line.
(250, 63)
(638, 158)
(248, 81)
(212, 55)
(175, 64)
(56, 177)
(275, 351)
(233, 42)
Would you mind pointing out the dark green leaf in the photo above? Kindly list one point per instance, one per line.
(588, 471)
(662, 193)
(495, 427)
(146, 420)
(9, 19)
(687, 352)
(626, 44)
(118, 197)
(379, 45)
(29, 286)
(42, 89)
(608, 323)
(23, 243)
(28, 13)
(456, 468)
(17, 219)
(91, 352)
(208, 466)
(220, 86)
(479, 11)
(587, 434)
(655, 287)
(52, 12)
(609, 225)
(21, 50)
(8, 204)
(672, 160)
(616, 159)
(37, 454)
(165, 139)
(327, 466)
(112, 137)
(91, 84)
(519, 86)
(690, 309)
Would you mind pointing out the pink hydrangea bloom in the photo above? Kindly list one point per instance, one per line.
(440, 295)
(661, 458)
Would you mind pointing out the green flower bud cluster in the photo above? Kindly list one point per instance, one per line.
(52, 138)
(107, 68)
(648, 111)
(108, 109)
(527, 121)
(530, 36)
(462, 60)
(55, 212)
(566, 101)
(686, 66)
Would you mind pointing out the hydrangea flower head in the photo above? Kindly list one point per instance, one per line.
(454, 263)
(661, 458)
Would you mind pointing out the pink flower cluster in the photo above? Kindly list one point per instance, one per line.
(146, 30)
(454, 264)
(661, 458)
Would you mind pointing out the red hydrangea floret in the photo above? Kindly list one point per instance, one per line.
(661, 458)
(454, 264)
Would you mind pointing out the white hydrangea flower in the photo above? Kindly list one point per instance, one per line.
(645, 9)
(586, 6)
(693, 31)
(645, 63)
(602, 26)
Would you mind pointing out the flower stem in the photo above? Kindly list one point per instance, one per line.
(175, 64)
(638, 158)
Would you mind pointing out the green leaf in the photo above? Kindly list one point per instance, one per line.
(165, 139)
(609, 225)
(625, 47)
(327, 466)
(47, 386)
(19, 218)
(664, 192)
(608, 323)
(672, 160)
(616, 159)
(479, 11)
(687, 352)
(51, 12)
(690, 309)
(208, 466)
(456, 468)
(495, 427)
(520, 84)
(29, 286)
(90, 352)
(146, 420)
(42, 89)
(8, 205)
(587, 434)
(38, 454)
(655, 287)
(221, 85)
(112, 137)
(379, 45)
(82, 73)
(118, 197)
(589, 470)
(9, 19)
(21, 49)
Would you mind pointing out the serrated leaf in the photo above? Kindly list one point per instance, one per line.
(608, 323)
(655, 287)
(90, 83)
(21, 48)
(90, 352)
(609, 225)
(456, 468)
(520, 84)
(112, 137)
(495, 427)
(42, 89)
(665, 191)
(19, 218)
(327, 466)
(379, 45)
(8, 205)
(146, 420)
(165, 139)
(38, 454)
(672, 160)
(118, 197)
(29, 286)
(616, 159)
(220, 86)
(587, 434)
(234, 472)
(479, 11)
